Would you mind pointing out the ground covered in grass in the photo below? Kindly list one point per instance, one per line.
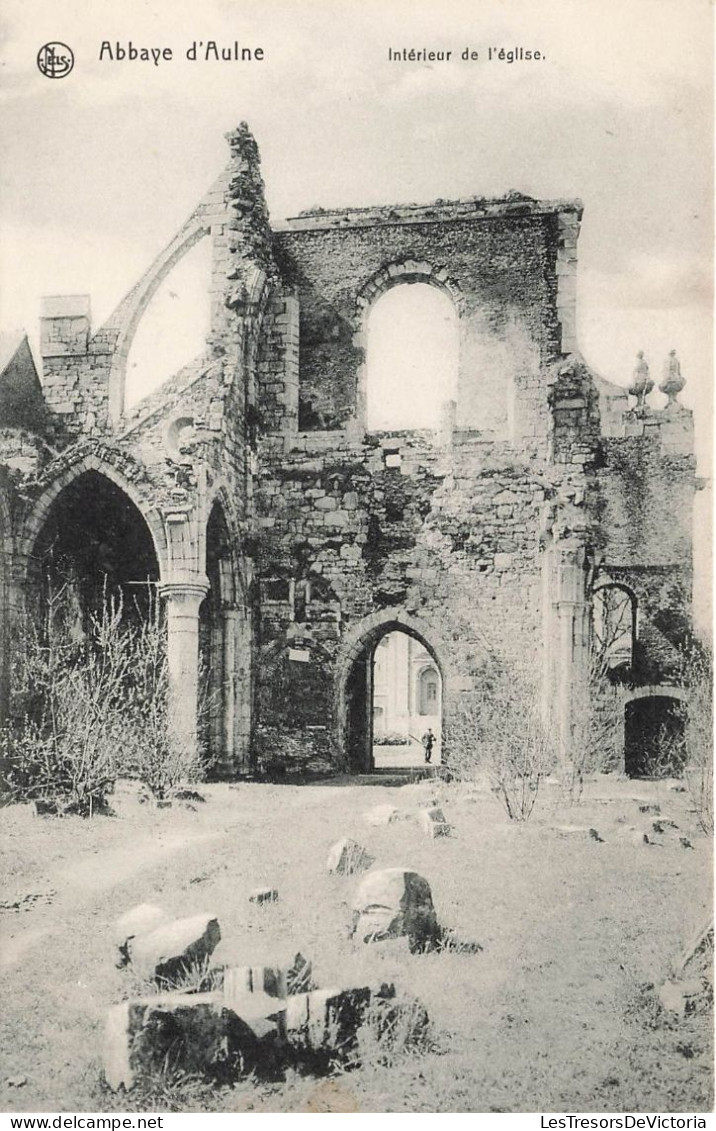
(556, 1012)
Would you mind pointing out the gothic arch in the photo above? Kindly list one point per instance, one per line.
(37, 515)
(361, 638)
(219, 496)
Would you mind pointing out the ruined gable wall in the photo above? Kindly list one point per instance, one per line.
(502, 267)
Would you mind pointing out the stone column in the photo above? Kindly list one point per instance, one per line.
(183, 599)
(570, 626)
(229, 630)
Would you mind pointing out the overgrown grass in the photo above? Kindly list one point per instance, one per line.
(540, 1018)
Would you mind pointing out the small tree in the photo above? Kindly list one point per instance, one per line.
(502, 733)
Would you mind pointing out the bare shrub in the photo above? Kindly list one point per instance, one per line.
(64, 740)
(502, 734)
(89, 705)
(596, 739)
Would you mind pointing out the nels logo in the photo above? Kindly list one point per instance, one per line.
(55, 60)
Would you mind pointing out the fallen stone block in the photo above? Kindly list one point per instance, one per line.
(277, 980)
(432, 822)
(329, 1020)
(578, 832)
(195, 1033)
(238, 981)
(664, 826)
(638, 837)
(172, 949)
(299, 975)
(381, 815)
(346, 857)
(394, 902)
(140, 920)
(698, 949)
(679, 997)
(263, 895)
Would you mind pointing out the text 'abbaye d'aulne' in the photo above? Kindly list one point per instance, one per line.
(197, 51)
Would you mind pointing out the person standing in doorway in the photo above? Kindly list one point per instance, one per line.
(428, 743)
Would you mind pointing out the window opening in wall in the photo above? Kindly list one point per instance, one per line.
(614, 623)
(654, 737)
(276, 589)
(411, 358)
(173, 329)
(392, 457)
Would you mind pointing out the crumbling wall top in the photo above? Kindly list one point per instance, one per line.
(512, 204)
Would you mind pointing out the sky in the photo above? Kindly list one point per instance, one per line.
(101, 168)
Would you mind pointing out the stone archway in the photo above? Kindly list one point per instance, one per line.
(103, 466)
(93, 545)
(654, 737)
(354, 695)
(655, 724)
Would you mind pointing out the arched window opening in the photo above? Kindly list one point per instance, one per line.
(173, 329)
(654, 737)
(428, 682)
(411, 357)
(395, 700)
(614, 623)
(94, 547)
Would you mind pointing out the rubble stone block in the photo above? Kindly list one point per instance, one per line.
(329, 1020)
(299, 975)
(263, 895)
(172, 948)
(346, 857)
(381, 815)
(395, 902)
(677, 996)
(196, 1033)
(140, 920)
(432, 822)
(578, 832)
(237, 981)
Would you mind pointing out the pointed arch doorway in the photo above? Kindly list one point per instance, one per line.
(393, 698)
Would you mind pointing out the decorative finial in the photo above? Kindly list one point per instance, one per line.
(673, 381)
(641, 382)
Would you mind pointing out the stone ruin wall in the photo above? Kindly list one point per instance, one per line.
(484, 539)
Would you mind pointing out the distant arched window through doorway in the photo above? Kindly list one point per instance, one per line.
(428, 692)
(411, 357)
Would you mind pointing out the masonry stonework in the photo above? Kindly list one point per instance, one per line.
(289, 539)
